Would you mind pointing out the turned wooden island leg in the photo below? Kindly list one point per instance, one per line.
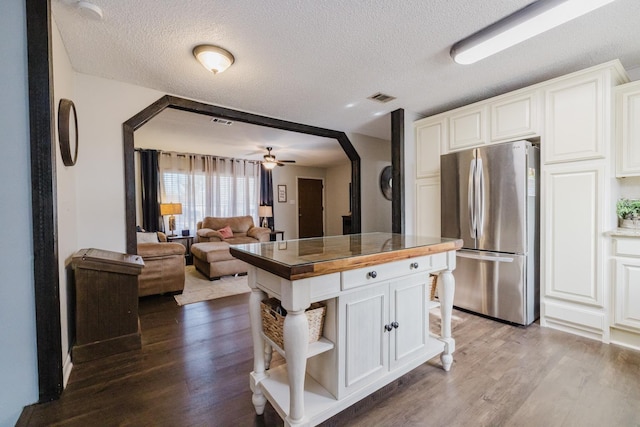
(296, 342)
(258, 399)
(446, 289)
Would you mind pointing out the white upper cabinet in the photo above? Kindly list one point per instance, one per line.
(515, 117)
(628, 129)
(431, 135)
(578, 115)
(468, 127)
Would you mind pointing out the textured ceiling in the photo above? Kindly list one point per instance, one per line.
(316, 62)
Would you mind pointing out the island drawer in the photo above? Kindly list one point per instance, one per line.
(384, 272)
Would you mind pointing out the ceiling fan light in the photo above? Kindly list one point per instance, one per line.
(524, 24)
(213, 58)
(269, 164)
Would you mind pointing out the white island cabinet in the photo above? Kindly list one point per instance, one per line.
(376, 290)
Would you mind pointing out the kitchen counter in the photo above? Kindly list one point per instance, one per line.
(299, 259)
(376, 290)
(625, 232)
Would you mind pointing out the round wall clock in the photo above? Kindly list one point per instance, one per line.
(67, 133)
(385, 182)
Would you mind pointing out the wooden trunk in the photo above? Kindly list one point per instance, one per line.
(106, 303)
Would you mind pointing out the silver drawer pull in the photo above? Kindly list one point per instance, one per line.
(372, 274)
(414, 265)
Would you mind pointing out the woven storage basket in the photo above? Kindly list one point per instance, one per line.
(273, 322)
(433, 281)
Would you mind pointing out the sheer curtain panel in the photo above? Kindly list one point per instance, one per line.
(209, 186)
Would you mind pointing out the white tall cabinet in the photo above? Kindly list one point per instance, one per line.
(572, 118)
(628, 129)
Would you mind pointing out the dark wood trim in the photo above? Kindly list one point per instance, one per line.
(397, 167)
(43, 200)
(183, 104)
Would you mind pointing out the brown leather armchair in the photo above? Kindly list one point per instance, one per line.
(163, 269)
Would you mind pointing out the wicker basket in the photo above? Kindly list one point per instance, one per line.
(433, 281)
(273, 321)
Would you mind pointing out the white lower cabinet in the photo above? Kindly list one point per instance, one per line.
(626, 283)
(384, 326)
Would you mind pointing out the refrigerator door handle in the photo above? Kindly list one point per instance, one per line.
(471, 197)
(479, 205)
(484, 257)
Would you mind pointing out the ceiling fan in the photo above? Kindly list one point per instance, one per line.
(270, 161)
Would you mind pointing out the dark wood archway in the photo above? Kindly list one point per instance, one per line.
(169, 101)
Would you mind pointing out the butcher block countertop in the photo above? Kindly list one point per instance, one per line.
(303, 258)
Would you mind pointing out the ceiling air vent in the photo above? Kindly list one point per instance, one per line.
(381, 97)
(221, 121)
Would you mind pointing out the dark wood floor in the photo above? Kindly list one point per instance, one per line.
(194, 364)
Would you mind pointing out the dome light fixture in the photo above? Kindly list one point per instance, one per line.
(534, 19)
(213, 58)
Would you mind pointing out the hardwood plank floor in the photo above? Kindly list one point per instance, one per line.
(194, 363)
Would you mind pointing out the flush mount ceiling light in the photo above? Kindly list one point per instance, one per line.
(89, 10)
(213, 58)
(534, 19)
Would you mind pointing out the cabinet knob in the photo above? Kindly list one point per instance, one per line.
(388, 328)
(414, 265)
(395, 325)
(372, 274)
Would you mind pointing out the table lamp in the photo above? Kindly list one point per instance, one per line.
(171, 209)
(265, 212)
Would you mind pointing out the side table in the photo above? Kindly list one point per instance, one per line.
(186, 241)
(273, 236)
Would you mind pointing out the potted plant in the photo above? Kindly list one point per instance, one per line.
(628, 211)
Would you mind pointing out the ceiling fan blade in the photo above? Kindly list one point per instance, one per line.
(287, 161)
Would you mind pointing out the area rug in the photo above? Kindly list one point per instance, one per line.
(197, 288)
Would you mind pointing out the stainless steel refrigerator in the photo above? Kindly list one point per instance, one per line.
(490, 201)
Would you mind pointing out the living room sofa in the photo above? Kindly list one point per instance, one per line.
(211, 254)
(164, 265)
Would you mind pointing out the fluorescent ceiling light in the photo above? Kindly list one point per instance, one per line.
(213, 58)
(534, 19)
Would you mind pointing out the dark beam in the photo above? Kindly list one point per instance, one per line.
(397, 171)
(43, 200)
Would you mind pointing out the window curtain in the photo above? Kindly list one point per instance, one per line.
(151, 220)
(208, 186)
(266, 192)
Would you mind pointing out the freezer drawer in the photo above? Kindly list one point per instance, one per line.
(492, 284)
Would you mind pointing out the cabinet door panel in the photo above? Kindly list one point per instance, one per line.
(468, 128)
(627, 296)
(409, 311)
(572, 229)
(514, 117)
(428, 208)
(429, 140)
(628, 129)
(365, 346)
(575, 120)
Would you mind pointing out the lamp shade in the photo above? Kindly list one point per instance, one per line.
(170, 209)
(213, 58)
(265, 211)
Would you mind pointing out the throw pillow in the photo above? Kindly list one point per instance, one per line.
(226, 232)
(151, 237)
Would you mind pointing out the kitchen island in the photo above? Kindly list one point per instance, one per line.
(375, 288)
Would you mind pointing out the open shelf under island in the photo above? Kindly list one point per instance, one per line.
(376, 290)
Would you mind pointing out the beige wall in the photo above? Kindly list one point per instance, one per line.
(375, 154)
(337, 199)
(63, 79)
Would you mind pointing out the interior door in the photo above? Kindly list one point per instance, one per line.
(310, 209)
